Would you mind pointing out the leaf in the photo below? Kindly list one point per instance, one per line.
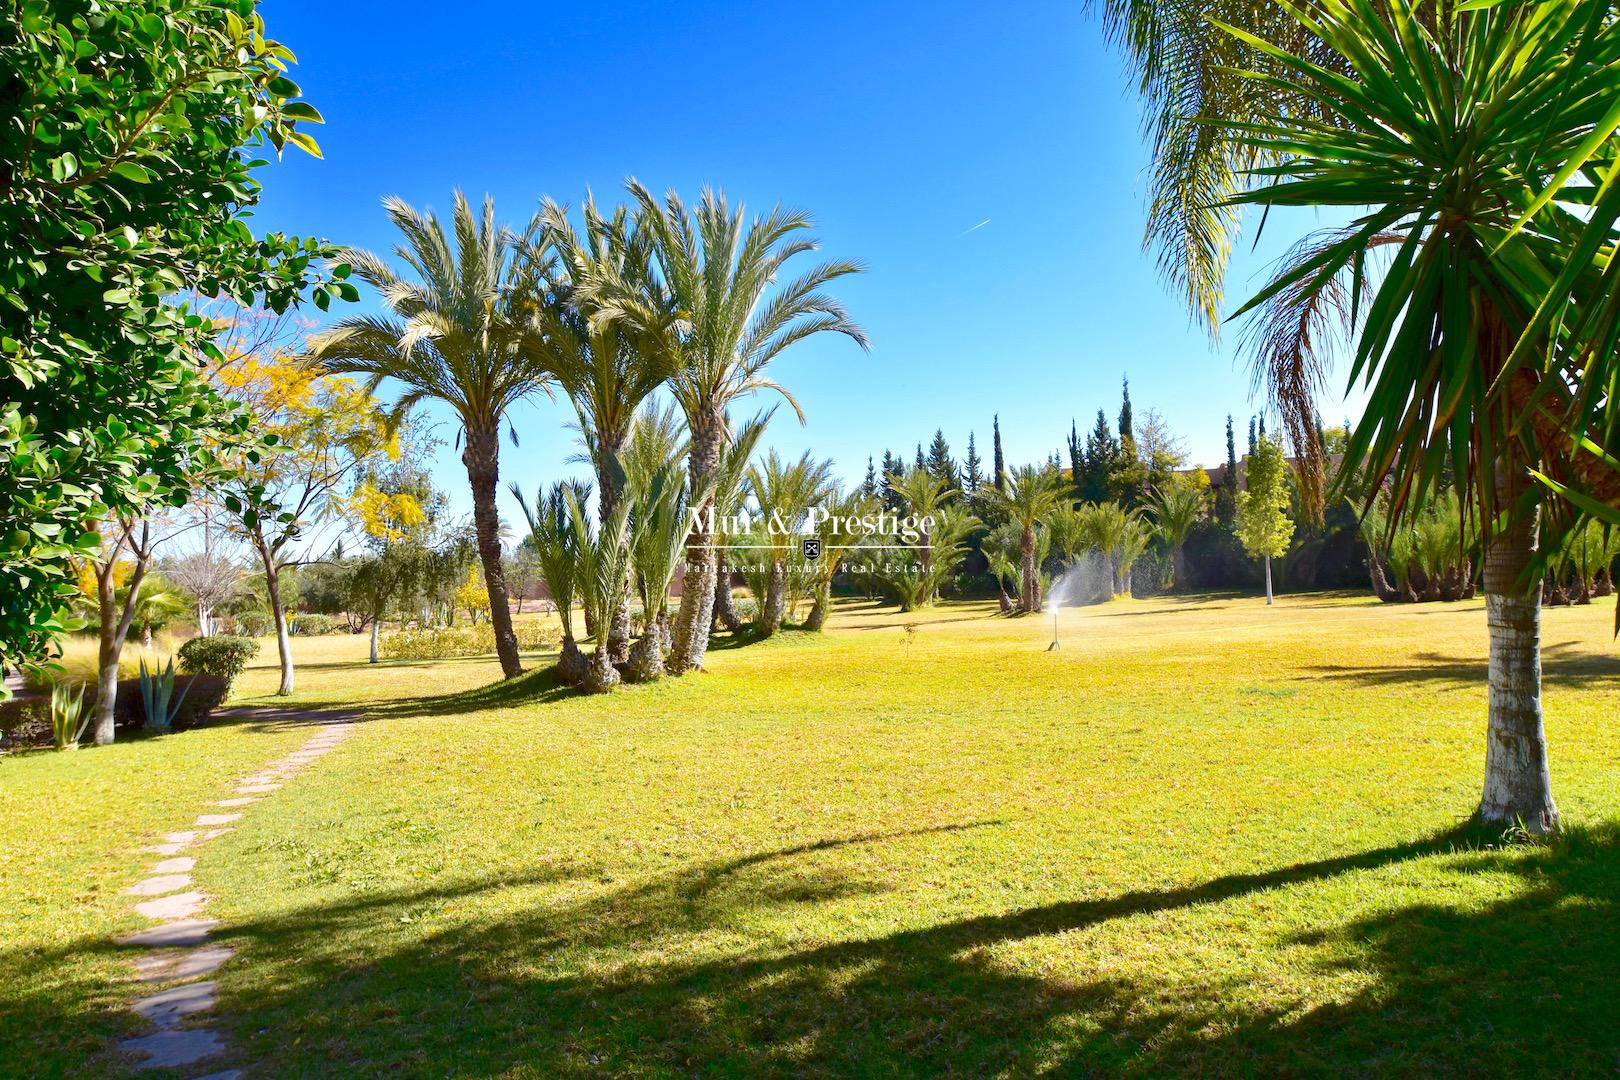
(131, 171)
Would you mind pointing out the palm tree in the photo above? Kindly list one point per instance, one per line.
(1474, 279)
(663, 517)
(1176, 507)
(835, 547)
(1000, 550)
(157, 603)
(602, 561)
(714, 309)
(782, 492)
(1031, 495)
(730, 477)
(551, 534)
(925, 496)
(455, 333)
(598, 362)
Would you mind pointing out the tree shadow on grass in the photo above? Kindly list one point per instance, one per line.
(1568, 663)
(625, 980)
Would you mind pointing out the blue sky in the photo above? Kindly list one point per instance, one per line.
(900, 125)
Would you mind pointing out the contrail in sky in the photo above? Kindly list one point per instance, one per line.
(975, 228)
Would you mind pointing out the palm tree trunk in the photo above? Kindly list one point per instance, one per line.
(600, 676)
(608, 494)
(1518, 787)
(818, 610)
(1268, 579)
(1026, 567)
(770, 616)
(692, 622)
(482, 458)
(725, 608)
(1178, 569)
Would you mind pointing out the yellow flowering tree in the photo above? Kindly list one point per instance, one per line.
(326, 434)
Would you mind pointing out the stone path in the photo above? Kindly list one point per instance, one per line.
(175, 954)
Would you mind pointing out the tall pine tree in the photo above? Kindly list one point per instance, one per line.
(941, 466)
(869, 487)
(1102, 451)
(922, 462)
(972, 468)
(1077, 454)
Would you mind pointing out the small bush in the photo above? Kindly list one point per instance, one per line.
(254, 622)
(316, 625)
(225, 656)
(446, 642)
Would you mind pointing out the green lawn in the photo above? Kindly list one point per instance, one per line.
(1202, 837)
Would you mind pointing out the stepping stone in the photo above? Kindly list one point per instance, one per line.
(214, 834)
(172, 1049)
(262, 778)
(175, 866)
(179, 906)
(157, 886)
(216, 819)
(166, 849)
(180, 934)
(166, 1007)
(179, 837)
(258, 789)
(163, 967)
(236, 802)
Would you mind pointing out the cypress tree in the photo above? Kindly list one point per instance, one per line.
(1253, 441)
(869, 487)
(891, 465)
(922, 462)
(1000, 459)
(1077, 454)
(1226, 497)
(1127, 427)
(972, 468)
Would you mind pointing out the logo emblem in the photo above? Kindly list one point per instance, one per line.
(812, 548)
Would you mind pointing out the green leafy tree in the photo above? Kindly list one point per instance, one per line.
(124, 184)
(972, 468)
(456, 331)
(1263, 525)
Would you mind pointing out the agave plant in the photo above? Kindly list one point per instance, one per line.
(157, 696)
(68, 714)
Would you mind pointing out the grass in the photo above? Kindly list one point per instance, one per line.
(1201, 837)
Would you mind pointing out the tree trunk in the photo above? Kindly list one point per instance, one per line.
(482, 458)
(571, 662)
(1380, 580)
(1027, 602)
(1518, 787)
(818, 610)
(608, 494)
(646, 661)
(770, 614)
(272, 587)
(696, 615)
(1268, 580)
(1006, 601)
(114, 630)
(725, 608)
(1178, 569)
(600, 674)
(376, 634)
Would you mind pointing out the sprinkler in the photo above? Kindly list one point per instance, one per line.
(1054, 644)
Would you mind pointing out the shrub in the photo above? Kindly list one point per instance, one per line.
(225, 656)
(255, 622)
(446, 642)
(313, 625)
